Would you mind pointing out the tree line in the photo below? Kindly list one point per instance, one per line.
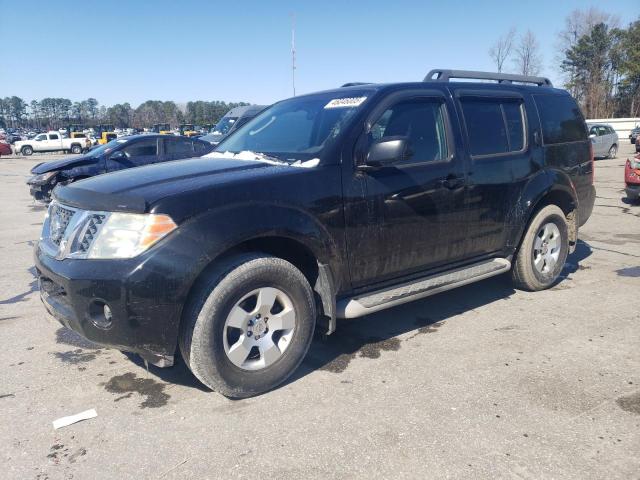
(53, 113)
(599, 61)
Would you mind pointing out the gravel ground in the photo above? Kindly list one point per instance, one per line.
(481, 382)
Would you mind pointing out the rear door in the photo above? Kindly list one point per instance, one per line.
(53, 142)
(495, 128)
(176, 148)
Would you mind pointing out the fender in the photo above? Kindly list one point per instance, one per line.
(219, 231)
(543, 183)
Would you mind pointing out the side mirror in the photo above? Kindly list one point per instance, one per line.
(119, 155)
(387, 151)
(592, 135)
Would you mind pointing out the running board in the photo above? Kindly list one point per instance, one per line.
(423, 287)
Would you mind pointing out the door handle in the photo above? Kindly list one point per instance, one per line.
(452, 182)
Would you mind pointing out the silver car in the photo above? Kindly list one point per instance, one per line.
(604, 139)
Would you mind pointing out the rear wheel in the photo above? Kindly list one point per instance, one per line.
(612, 151)
(248, 325)
(26, 150)
(543, 251)
(76, 149)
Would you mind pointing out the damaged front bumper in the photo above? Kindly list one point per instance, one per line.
(131, 305)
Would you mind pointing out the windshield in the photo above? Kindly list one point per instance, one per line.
(298, 128)
(223, 126)
(106, 148)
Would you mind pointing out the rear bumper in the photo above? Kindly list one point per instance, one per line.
(585, 207)
(632, 191)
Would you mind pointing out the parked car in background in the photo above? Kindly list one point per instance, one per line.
(119, 154)
(5, 148)
(231, 121)
(632, 178)
(604, 139)
(633, 135)
(52, 141)
(329, 205)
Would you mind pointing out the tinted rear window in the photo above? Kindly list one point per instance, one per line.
(494, 126)
(561, 119)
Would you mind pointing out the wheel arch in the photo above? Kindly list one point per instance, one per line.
(550, 188)
(294, 250)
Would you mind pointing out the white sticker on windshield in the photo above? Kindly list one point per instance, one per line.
(349, 102)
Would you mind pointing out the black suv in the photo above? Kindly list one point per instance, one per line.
(329, 205)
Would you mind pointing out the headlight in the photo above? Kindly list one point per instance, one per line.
(42, 178)
(125, 235)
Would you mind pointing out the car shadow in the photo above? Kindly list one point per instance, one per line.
(369, 336)
(178, 374)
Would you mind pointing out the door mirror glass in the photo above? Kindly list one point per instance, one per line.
(387, 151)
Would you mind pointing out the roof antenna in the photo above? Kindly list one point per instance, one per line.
(293, 52)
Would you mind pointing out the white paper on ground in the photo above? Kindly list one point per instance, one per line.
(71, 419)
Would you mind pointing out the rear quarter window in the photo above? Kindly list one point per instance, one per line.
(561, 119)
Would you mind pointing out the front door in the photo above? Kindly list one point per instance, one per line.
(406, 217)
(139, 153)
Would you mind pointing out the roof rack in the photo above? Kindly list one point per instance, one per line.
(354, 84)
(438, 75)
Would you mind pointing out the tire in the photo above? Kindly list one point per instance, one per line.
(612, 151)
(526, 272)
(210, 344)
(75, 149)
(26, 150)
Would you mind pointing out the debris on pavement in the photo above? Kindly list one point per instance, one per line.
(71, 419)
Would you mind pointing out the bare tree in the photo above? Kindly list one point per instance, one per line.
(501, 50)
(528, 60)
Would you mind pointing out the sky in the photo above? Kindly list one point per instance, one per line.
(131, 51)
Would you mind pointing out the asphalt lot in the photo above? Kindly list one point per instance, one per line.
(481, 382)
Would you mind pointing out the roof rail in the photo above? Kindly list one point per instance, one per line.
(354, 84)
(439, 75)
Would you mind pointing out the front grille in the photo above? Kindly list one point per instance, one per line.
(94, 224)
(59, 219)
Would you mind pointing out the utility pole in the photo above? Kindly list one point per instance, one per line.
(293, 52)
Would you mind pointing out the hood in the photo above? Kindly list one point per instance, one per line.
(135, 189)
(63, 163)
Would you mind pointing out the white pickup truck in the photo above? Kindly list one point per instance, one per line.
(51, 142)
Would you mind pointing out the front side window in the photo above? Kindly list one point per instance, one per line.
(143, 148)
(561, 119)
(40, 137)
(422, 122)
(494, 126)
(300, 128)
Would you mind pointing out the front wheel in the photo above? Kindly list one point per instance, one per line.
(612, 151)
(543, 251)
(248, 325)
(26, 150)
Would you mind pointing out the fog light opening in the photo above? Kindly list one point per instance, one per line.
(100, 314)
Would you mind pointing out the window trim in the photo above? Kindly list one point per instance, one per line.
(402, 96)
(496, 95)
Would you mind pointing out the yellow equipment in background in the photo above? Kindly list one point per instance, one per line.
(162, 128)
(106, 137)
(188, 130)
